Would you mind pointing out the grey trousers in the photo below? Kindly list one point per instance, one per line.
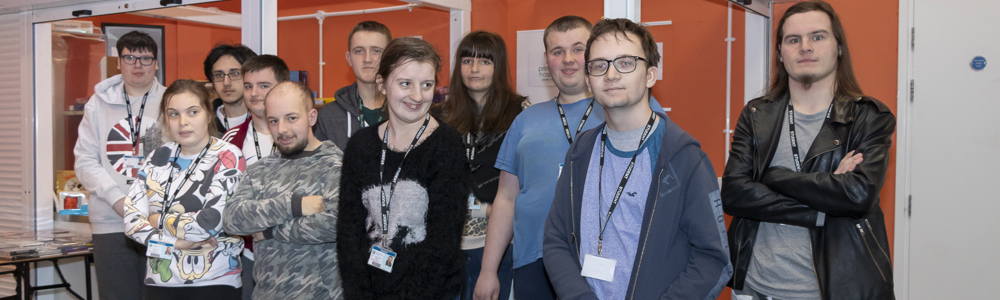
(121, 266)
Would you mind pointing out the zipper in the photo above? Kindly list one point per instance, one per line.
(819, 285)
(870, 252)
(876, 240)
(649, 227)
(572, 212)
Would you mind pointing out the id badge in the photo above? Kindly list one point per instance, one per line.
(159, 249)
(382, 259)
(473, 204)
(560, 171)
(133, 162)
(599, 268)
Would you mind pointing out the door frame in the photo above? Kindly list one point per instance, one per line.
(901, 240)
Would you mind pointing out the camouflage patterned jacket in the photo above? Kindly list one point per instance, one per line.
(298, 259)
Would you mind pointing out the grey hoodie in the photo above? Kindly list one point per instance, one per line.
(338, 120)
(298, 258)
(104, 141)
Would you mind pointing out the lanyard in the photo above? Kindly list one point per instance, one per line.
(621, 186)
(791, 135)
(256, 144)
(562, 114)
(134, 129)
(381, 169)
(225, 119)
(470, 150)
(168, 200)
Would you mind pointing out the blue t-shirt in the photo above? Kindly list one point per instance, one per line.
(621, 236)
(534, 150)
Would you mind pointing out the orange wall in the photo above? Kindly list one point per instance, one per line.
(185, 44)
(871, 28)
(298, 42)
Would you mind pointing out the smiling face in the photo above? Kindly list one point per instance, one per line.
(614, 89)
(255, 87)
(477, 74)
(409, 90)
(565, 58)
(364, 54)
(187, 120)
(137, 75)
(808, 48)
(290, 117)
(229, 90)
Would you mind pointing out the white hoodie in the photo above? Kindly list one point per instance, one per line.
(103, 143)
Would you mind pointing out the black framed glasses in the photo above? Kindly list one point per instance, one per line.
(624, 64)
(143, 60)
(234, 75)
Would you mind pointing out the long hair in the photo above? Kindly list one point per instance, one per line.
(501, 104)
(198, 89)
(846, 85)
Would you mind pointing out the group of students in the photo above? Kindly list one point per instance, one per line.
(385, 194)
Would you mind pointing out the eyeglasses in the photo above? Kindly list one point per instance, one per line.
(624, 64)
(234, 75)
(143, 60)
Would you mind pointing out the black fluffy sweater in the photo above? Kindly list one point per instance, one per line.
(427, 213)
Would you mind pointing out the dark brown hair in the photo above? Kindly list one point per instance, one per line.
(181, 86)
(369, 26)
(501, 104)
(267, 61)
(623, 27)
(846, 84)
(564, 24)
(241, 53)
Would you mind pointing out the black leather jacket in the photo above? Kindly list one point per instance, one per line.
(850, 251)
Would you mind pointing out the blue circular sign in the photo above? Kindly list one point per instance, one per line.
(978, 63)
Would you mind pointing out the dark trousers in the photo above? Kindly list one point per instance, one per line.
(211, 292)
(474, 264)
(120, 264)
(247, 276)
(532, 282)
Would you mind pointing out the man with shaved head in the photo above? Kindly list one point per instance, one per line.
(289, 205)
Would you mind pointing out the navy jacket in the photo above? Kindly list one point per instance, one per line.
(682, 251)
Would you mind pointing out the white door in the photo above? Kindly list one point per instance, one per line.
(954, 232)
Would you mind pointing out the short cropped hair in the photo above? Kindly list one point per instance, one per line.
(369, 26)
(623, 27)
(267, 61)
(296, 90)
(239, 52)
(564, 24)
(137, 41)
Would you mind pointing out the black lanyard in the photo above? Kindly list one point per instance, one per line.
(791, 134)
(470, 148)
(621, 186)
(256, 145)
(392, 188)
(361, 113)
(225, 119)
(562, 114)
(168, 199)
(134, 129)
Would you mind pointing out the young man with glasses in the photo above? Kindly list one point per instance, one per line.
(118, 130)
(637, 212)
(222, 68)
(531, 159)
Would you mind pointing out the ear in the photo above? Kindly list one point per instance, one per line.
(312, 117)
(347, 56)
(380, 84)
(651, 76)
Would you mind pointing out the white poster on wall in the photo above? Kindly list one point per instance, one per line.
(533, 79)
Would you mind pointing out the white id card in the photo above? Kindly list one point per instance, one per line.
(560, 170)
(133, 162)
(473, 204)
(159, 249)
(597, 267)
(382, 259)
